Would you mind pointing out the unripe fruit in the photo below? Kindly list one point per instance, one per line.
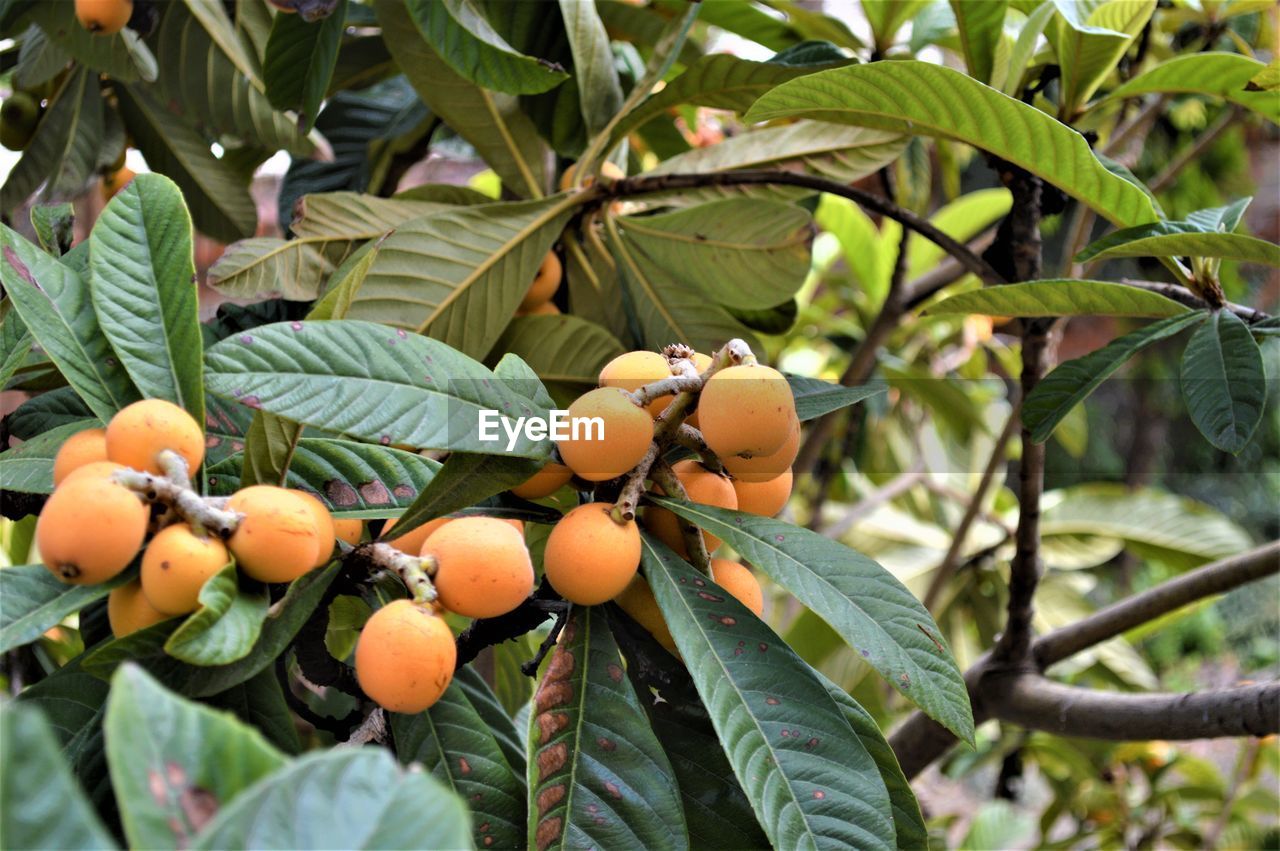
(405, 657)
(128, 610)
(114, 182)
(634, 370)
(627, 434)
(350, 530)
(137, 434)
(95, 469)
(277, 541)
(324, 526)
(746, 410)
(763, 468)
(482, 566)
(701, 486)
(763, 498)
(81, 448)
(411, 542)
(738, 581)
(104, 17)
(590, 557)
(90, 529)
(19, 117)
(545, 482)
(637, 601)
(545, 283)
(176, 565)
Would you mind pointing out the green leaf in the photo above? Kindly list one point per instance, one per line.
(963, 219)
(843, 154)
(198, 47)
(567, 351)
(346, 798)
(124, 55)
(493, 123)
(146, 647)
(41, 802)
(459, 275)
(63, 153)
(1181, 239)
(888, 16)
(668, 309)
(367, 381)
(47, 411)
(599, 92)
(15, 345)
(216, 194)
(597, 775)
(269, 445)
(352, 479)
(34, 601)
(743, 253)
(981, 26)
(225, 627)
(908, 823)
(54, 303)
(1064, 297)
(486, 703)
(143, 286)
(174, 762)
(1225, 75)
(29, 468)
(1151, 519)
(465, 39)
(720, 81)
(1223, 381)
(300, 59)
(455, 745)
(1071, 382)
(809, 778)
(815, 398)
(259, 702)
(54, 225)
(873, 612)
(1089, 40)
(463, 480)
(925, 99)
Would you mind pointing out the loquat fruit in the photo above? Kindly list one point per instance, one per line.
(324, 525)
(545, 283)
(746, 410)
(104, 17)
(590, 557)
(634, 370)
(482, 566)
(138, 433)
(348, 529)
(702, 486)
(411, 542)
(19, 117)
(608, 169)
(545, 482)
(763, 468)
(90, 529)
(701, 363)
(405, 657)
(277, 540)
(738, 581)
(763, 498)
(128, 610)
(114, 182)
(547, 308)
(637, 600)
(81, 448)
(175, 566)
(623, 437)
(95, 469)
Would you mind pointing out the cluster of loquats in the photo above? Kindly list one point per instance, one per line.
(477, 567)
(736, 418)
(116, 486)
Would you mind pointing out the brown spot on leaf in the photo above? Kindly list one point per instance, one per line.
(464, 767)
(772, 701)
(488, 840)
(11, 257)
(375, 493)
(724, 619)
(549, 797)
(548, 832)
(607, 744)
(819, 794)
(340, 494)
(404, 492)
(615, 672)
(709, 597)
(812, 743)
(905, 680)
(550, 723)
(612, 789)
(552, 759)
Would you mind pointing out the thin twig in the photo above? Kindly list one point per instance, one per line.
(530, 668)
(1195, 149)
(895, 488)
(665, 478)
(1184, 296)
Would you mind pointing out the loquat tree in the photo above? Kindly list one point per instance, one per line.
(477, 515)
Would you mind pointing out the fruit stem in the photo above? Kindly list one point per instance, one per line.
(690, 438)
(174, 489)
(414, 571)
(665, 478)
